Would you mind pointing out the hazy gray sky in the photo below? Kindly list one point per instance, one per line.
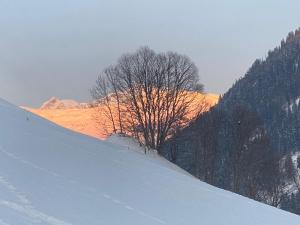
(58, 47)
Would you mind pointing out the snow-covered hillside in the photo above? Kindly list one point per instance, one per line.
(50, 175)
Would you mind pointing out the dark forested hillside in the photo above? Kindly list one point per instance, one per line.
(271, 88)
(243, 144)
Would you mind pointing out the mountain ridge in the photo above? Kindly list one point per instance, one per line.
(56, 103)
(87, 118)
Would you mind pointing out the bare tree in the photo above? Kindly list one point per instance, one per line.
(103, 96)
(152, 94)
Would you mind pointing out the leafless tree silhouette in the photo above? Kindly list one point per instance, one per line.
(152, 94)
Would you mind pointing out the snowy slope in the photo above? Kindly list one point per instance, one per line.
(50, 175)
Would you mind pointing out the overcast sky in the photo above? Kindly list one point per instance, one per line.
(58, 47)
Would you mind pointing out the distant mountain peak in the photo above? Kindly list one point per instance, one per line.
(56, 103)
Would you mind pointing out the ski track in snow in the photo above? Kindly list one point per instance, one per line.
(21, 197)
(34, 166)
(35, 215)
(128, 207)
(13, 156)
(25, 207)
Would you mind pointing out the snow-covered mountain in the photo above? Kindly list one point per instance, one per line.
(51, 175)
(55, 103)
(91, 121)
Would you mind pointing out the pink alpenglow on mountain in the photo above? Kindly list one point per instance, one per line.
(55, 103)
(83, 118)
